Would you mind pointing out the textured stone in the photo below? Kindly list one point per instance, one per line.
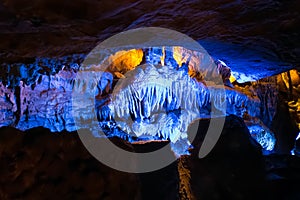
(41, 164)
(47, 28)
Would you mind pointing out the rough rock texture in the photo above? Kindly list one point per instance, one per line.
(47, 28)
(47, 100)
(289, 107)
(45, 41)
(40, 164)
(228, 170)
(229, 175)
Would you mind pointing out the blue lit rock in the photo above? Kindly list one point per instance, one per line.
(247, 64)
(45, 98)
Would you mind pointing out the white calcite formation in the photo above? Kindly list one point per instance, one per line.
(156, 100)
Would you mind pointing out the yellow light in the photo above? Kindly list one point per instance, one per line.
(295, 77)
(124, 61)
(177, 55)
(162, 58)
(231, 78)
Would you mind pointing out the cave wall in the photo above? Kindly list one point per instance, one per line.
(48, 28)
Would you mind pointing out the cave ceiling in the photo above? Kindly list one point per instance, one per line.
(259, 34)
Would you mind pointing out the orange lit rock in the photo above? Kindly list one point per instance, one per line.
(199, 64)
(124, 61)
(119, 75)
(294, 76)
(197, 75)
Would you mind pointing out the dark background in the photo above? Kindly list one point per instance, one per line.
(38, 164)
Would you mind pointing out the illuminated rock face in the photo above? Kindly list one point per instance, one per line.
(124, 61)
(159, 102)
(289, 83)
(157, 89)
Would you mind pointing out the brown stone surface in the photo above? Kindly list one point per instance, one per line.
(51, 27)
(38, 164)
